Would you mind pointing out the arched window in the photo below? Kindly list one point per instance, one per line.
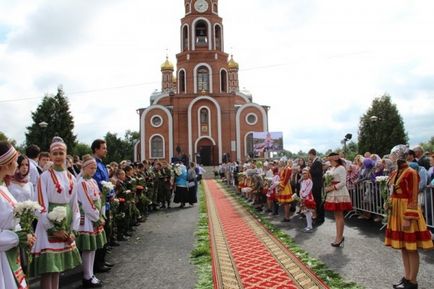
(215, 8)
(201, 31)
(223, 81)
(203, 116)
(202, 79)
(181, 80)
(218, 37)
(157, 147)
(249, 145)
(185, 38)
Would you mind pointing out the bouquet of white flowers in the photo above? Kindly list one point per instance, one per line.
(177, 170)
(58, 217)
(107, 187)
(25, 211)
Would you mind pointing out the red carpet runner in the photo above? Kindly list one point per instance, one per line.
(245, 254)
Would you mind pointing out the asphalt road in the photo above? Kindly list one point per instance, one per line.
(156, 257)
(364, 259)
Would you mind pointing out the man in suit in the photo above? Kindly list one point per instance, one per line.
(316, 172)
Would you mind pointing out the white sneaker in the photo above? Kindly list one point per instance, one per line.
(307, 230)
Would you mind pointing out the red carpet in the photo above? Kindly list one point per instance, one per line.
(244, 254)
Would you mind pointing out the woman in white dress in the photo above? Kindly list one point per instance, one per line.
(338, 198)
(10, 235)
(20, 186)
(91, 232)
(55, 250)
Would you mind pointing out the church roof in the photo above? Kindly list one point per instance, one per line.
(232, 64)
(167, 65)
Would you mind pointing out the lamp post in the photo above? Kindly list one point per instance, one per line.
(347, 137)
(43, 125)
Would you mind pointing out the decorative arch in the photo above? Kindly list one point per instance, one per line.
(182, 81)
(185, 37)
(219, 127)
(143, 129)
(195, 76)
(238, 124)
(224, 80)
(193, 38)
(245, 141)
(218, 37)
(163, 156)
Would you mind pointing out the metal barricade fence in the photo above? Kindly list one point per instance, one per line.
(366, 197)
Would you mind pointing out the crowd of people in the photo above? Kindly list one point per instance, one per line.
(311, 187)
(80, 208)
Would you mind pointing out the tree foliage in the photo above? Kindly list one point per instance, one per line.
(381, 127)
(54, 110)
(429, 145)
(81, 149)
(121, 149)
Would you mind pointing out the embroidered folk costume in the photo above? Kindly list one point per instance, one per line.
(284, 189)
(404, 186)
(10, 263)
(56, 188)
(91, 231)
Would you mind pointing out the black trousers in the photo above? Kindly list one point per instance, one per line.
(319, 205)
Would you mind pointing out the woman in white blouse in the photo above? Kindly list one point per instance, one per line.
(20, 186)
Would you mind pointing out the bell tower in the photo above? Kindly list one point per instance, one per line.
(202, 64)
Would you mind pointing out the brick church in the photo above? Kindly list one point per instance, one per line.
(200, 112)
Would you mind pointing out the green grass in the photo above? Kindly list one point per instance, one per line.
(201, 254)
(331, 278)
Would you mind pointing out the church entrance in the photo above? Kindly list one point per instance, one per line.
(205, 152)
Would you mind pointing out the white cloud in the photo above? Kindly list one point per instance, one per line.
(318, 64)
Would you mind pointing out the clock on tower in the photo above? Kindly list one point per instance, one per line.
(201, 6)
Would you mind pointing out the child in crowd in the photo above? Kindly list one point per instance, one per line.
(308, 204)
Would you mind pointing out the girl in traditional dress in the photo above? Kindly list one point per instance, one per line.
(406, 228)
(308, 204)
(10, 236)
(91, 232)
(284, 195)
(20, 186)
(338, 198)
(55, 250)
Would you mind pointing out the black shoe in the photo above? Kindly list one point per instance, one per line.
(401, 282)
(128, 234)
(114, 244)
(102, 269)
(410, 285)
(285, 220)
(340, 244)
(110, 265)
(92, 283)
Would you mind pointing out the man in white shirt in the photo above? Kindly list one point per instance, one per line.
(32, 152)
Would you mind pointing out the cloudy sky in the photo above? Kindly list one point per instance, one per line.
(318, 64)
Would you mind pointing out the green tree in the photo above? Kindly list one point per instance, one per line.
(3, 137)
(54, 112)
(121, 149)
(381, 127)
(81, 149)
(429, 145)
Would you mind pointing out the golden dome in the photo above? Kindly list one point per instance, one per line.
(232, 64)
(167, 65)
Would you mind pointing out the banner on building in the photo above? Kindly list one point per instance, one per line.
(267, 141)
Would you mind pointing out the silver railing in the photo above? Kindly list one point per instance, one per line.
(366, 197)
